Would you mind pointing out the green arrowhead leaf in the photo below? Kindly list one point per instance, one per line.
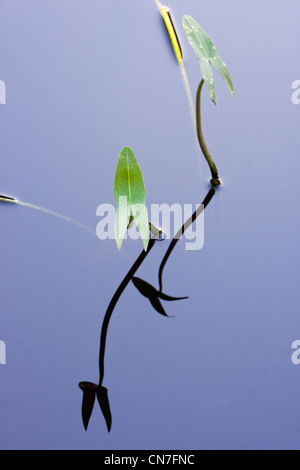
(130, 194)
(122, 220)
(206, 54)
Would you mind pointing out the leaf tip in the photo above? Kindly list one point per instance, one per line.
(102, 396)
(89, 395)
(126, 149)
(146, 244)
(119, 244)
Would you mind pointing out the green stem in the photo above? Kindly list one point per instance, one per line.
(214, 172)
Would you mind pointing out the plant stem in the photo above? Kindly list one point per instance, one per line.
(113, 303)
(181, 231)
(214, 172)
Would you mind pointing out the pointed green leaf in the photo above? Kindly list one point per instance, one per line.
(122, 221)
(222, 69)
(129, 190)
(208, 77)
(206, 54)
(128, 179)
(140, 215)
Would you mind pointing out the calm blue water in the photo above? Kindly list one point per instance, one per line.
(83, 80)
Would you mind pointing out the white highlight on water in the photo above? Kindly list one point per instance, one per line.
(159, 5)
(56, 214)
(188, 92)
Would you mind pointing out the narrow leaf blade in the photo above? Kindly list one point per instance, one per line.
(146, 289)
(208, 78)
(121, 222)
(198, 37)
(163, 296)
(88, 400)
(128, 178)
(155, 302)
(140, 214)
(204, 48)
(102, 396)
(222, 69)
(129, 190)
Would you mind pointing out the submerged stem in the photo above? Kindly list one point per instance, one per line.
(181, 231)
(113, 303)
(214, 172)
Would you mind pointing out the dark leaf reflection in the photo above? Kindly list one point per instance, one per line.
(153, 295)
(89, 395)
(90, 391)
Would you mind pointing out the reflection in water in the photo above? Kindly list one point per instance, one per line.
(91, 390)
(47, 211)
(181, 231)
(153, 295)
(113, 303)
